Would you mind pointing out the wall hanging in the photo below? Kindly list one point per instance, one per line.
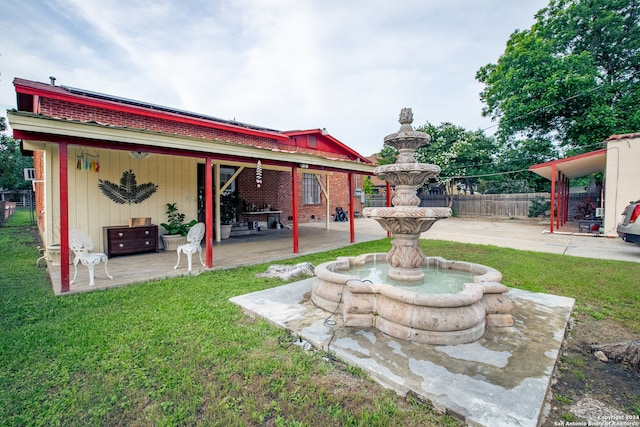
(259, 173)
(88, 161)
(128, 191)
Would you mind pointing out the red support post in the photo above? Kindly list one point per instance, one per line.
(566, 200)
(208, 210)
(294, 206)
(553, 197)
(64, 216)
(559, 213)
(560, 190)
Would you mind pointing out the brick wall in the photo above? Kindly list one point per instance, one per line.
(84, 113)
(276, 191)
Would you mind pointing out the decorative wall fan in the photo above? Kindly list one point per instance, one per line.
(128, 191)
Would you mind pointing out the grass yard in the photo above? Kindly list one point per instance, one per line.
(177, 352)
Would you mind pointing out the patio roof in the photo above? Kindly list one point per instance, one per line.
(36, 130)
(559, 172)
(574, 166)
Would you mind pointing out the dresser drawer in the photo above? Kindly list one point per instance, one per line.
(134, 233)
(122, 240)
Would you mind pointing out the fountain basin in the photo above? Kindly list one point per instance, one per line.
(440, 318)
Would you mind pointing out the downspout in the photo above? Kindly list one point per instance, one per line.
(64, 216)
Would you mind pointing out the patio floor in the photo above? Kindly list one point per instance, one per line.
(265, 246)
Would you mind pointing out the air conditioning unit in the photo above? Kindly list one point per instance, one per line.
(599, 212)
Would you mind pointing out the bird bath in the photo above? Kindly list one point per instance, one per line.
(395, 291)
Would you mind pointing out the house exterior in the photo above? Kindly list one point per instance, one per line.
(621, 178)
(81, 139)
(618, 161)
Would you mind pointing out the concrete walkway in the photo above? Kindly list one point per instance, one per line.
(532, 236)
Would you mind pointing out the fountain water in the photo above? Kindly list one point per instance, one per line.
(403, 304)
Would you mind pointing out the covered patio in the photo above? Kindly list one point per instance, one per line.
(560, 172)
(81, 139)
(268, 246)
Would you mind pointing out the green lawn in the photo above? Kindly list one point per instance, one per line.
(177, 352)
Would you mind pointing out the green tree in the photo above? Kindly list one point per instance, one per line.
(573, 78)
(12, 162)
(367, 185)
(462, 155)
(512, 164)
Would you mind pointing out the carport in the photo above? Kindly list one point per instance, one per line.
(560, 172)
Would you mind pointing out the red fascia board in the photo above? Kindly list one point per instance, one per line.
(62, 95)
(568, 159)
(112, 145)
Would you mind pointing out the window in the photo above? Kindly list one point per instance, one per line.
(312, 141)
(310, 189)
(225, 175)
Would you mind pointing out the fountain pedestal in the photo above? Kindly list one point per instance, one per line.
(405, 311)
(406, 220)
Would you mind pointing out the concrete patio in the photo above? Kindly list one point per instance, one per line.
(500, 380)
(265, 246)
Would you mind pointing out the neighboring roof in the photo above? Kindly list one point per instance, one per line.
(624, 136)
(574, 166)
(322, 133)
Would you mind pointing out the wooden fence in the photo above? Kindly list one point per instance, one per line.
(6, 210)
(488, 205)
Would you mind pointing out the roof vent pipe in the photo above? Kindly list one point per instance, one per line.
(53, 80)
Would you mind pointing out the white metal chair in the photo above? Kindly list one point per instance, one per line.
(81, 245)
(194, 237)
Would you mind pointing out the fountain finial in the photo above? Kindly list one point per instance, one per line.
(406, 118)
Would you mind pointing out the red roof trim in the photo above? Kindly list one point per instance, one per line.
(330, 138)
(56, 92)
(569, 159)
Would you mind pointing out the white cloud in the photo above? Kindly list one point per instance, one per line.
(284, 64)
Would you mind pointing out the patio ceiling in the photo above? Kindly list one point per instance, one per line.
(574, 166)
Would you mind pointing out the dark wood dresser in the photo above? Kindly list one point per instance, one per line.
(121, 240)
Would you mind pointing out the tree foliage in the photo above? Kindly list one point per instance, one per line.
(12, 162)
(478, 162)
(460, 153)
(573, 78)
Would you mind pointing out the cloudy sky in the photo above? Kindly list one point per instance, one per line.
(346, 65)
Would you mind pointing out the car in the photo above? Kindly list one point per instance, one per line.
(629, 228)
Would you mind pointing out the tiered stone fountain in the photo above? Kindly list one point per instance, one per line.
(409, 303)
